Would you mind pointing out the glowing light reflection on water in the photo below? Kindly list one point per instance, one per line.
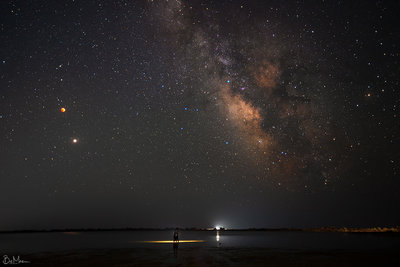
(172, 241)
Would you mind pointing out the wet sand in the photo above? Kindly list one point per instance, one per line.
(201, 256)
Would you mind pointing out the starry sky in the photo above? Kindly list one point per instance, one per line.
(199, 113)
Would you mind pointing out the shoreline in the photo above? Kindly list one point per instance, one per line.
(322, 229)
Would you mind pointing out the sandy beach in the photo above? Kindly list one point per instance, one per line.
(200, 256)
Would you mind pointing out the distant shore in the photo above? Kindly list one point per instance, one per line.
(321, 229)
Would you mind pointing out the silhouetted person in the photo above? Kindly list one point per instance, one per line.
(176, 242)
(176, 236)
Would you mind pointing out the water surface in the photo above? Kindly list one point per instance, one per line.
(63, 241)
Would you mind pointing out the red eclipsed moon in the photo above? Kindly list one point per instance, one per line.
(63, 110)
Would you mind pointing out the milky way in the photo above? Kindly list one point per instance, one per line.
(268, 97)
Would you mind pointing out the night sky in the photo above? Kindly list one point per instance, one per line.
(199, 113)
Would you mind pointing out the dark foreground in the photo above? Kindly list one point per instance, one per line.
(201, 256)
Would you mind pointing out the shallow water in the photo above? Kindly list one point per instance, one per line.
(59, 241)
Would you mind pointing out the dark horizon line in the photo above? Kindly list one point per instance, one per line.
(377, 229)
